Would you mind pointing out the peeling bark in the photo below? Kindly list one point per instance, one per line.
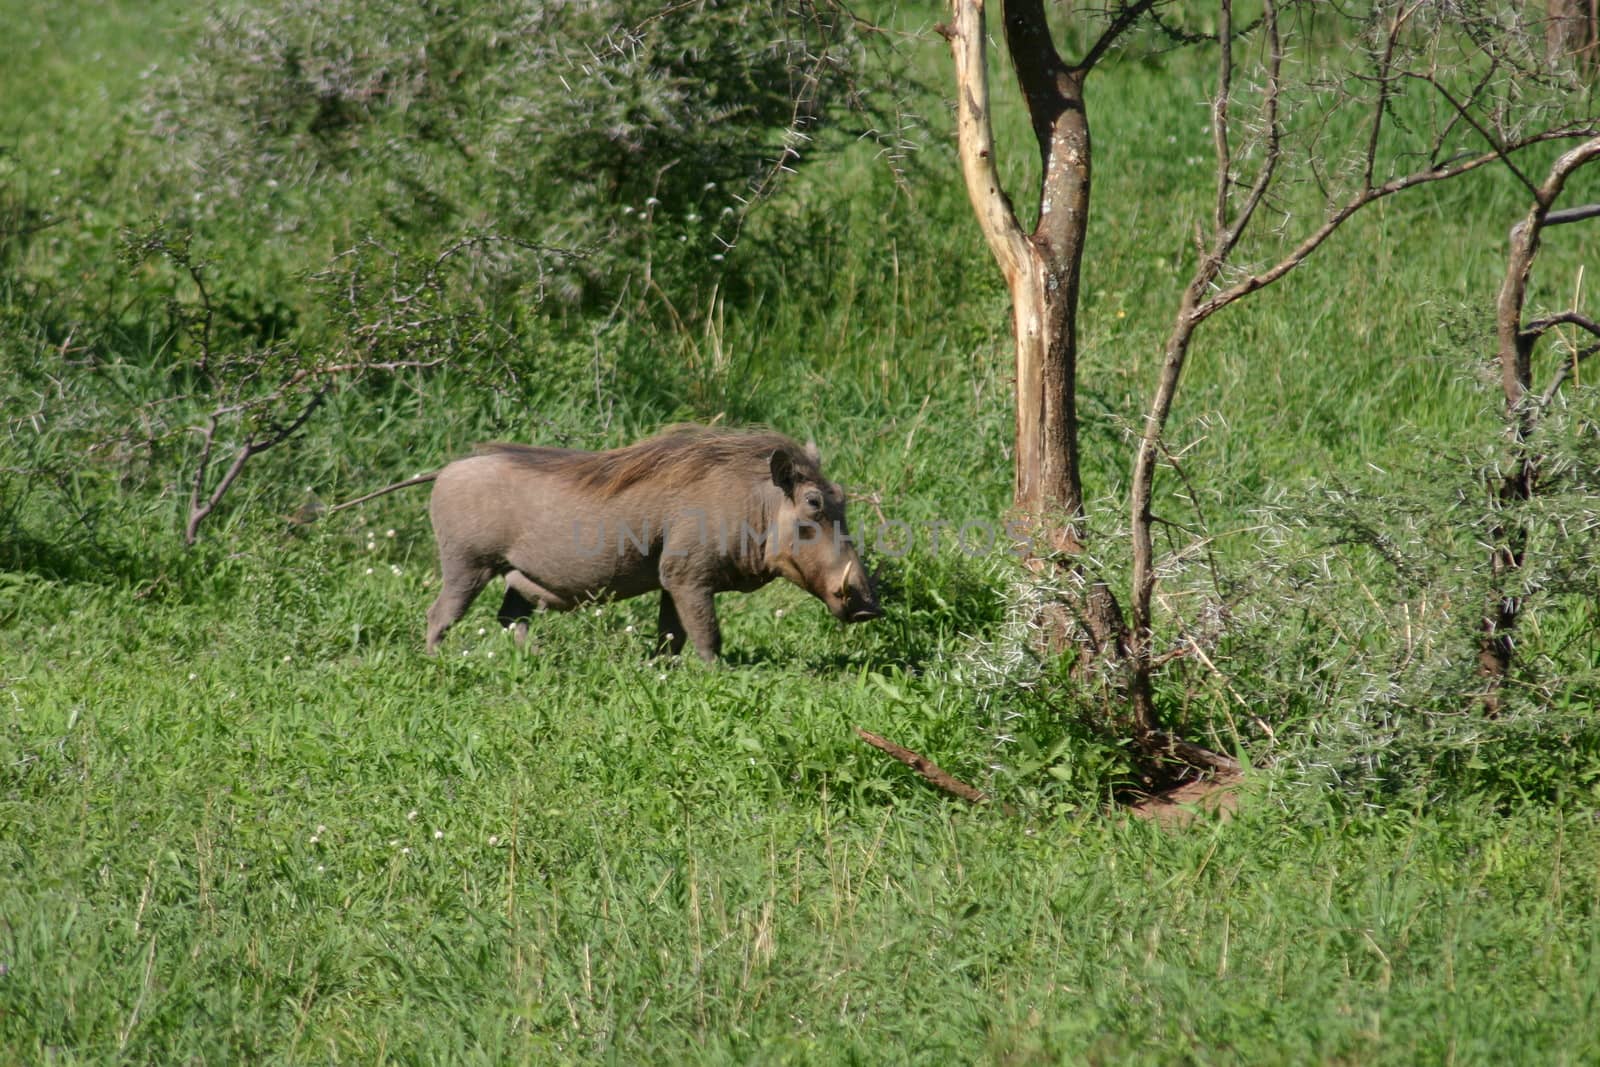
(1042, 271)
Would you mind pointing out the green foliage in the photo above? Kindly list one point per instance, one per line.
(1363, 627)
(611, 129)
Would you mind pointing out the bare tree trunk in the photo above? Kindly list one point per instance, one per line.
(1228, 224)
(1044, 285)
(1041, 269)
(1508, 535)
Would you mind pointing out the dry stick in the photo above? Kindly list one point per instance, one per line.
(931, 771)
(1192, 754)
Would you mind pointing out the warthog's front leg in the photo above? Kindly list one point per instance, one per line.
(697, 610)
(690, 612)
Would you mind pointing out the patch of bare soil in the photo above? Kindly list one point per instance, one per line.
(1216, 796)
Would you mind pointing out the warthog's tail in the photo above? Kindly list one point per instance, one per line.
(421, 479)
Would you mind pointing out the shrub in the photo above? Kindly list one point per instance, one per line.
(638, 132)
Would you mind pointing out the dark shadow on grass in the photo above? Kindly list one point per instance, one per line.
(61, 559)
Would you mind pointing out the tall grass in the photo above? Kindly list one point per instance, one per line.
(242, 817)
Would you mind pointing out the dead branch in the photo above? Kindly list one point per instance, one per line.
(253, 446)
(1226, 235)
(967, 35)
(1124, 19)
(1538, 327)
(930, 771)
(1572, 214)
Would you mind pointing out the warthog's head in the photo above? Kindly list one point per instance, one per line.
(811, 541)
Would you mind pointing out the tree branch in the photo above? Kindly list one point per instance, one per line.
(1563, 372)
(1502, 152)
(1538, 327)
(1126, 16)
(1227, 240)
(1343, 212)
(975, 137)
(930, 771)
(1219, 117)
(198, 512)
(1572, 214)
(1515, 344)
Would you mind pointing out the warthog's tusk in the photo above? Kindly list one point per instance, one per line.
(844, 583)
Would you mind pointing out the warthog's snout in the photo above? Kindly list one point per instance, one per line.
(855, 600)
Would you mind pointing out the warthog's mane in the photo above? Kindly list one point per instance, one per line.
(678, 455)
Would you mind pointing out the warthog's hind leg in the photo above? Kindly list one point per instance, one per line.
(514, 612)
(462, 584)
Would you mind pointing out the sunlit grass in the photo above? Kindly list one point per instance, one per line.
(243, 818)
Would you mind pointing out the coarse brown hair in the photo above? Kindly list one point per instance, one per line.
(678, 455)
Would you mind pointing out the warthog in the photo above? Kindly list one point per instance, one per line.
(692, 512)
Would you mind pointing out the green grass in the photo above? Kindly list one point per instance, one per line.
(274, 832)
(243, 818)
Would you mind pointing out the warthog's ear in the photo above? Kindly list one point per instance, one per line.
(783, 470)
(813, 455)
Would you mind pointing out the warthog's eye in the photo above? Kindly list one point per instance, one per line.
(814, 502)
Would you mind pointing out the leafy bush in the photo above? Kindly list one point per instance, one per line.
(1357, 622)
(636, 132)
